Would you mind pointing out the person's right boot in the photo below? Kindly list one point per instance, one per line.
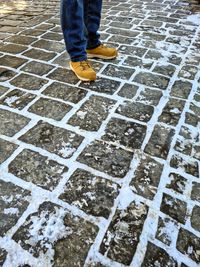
(83, 70)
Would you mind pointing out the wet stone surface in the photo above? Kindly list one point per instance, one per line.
(92, 113)
(122, 237)
(172, 112)
(54, 139)
(37, 68)
(13, 202)
(33, 167)
(188, 166)
(102, 85)
(107, 158)
(50, 108)
(146, 177)
(28, 82)
(177, 183)
(65, 92)
(160, 142)
(152, 80)
(166, 228)
(135, 110)
(156, 255)
(6, 149)
(90, 193)
(188, 244)
(3, 255)
(173, 207)
(11, 123)
(128, 134)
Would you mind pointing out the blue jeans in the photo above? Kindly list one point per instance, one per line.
(80, 21)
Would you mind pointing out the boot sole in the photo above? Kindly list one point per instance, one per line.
(100, 56)
(81, 78)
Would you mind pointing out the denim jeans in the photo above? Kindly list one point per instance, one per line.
(80, 21)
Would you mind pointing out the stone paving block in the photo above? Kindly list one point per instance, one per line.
(106, 158)
(167, 70)
(3, 255)
(21, 39)
(3, 90)
(160, 142)
(174, 207)
(188, 244)
(49, 45)
(166, 229)
(135, 110)
(126, 133)
(32, 32)
(13, 202)
(65, 92)
(6, 74)
(17, 99)
(195, 194)
(92, 114)
(172, 112)
(67, 236)
(195, 218)
(128, 90)
(195, 109)
(11, 123)
(147, 177)
(189, 166)
(37, 169)
(132, 50)
(39, 54)
(188, 72)
(91, 193)
(157, 256)
(53, 36)
(54, 139)
(28, 82)
(149, 96)
(6, 149)
(13, 48)
(122, 237)
(152, 80)
(12, 61)
(119, 72)
(9, 29)
(137, 62)
(123, 32)
(45, 107)
(102, 85)
(177, 183)
(181, 89)
(37, 68)
(63, 75)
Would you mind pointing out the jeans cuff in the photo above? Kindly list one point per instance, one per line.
(78, 59)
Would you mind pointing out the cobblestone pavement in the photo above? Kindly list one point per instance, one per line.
(107, 173)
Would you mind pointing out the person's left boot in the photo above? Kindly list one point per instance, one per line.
(102, 51)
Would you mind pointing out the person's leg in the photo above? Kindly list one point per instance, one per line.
(92, 17)
(72, 24)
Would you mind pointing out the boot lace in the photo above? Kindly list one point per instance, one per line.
(85, 65)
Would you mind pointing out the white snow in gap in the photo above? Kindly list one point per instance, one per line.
(195, 18)
(126, 197)
(11, 211)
